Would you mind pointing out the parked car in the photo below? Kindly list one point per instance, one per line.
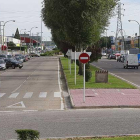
(2, 64)
(26, 58)
(112, 56)
(13, 63)
(9, 56)
(131, 60)
(34, 54)
(3, 56)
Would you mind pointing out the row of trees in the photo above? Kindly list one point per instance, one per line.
(77, 23)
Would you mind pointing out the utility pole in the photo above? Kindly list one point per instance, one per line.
(41, 31)
(119, 25)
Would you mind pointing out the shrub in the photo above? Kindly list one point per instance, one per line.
(87, 66)
(27, 134)
(88, 75)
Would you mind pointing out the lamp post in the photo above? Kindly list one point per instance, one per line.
(20, 38)
(3, 30)
(39, 40)
(30, 37)
(139, 32)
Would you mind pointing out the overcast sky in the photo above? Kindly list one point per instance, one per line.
(27, 15)
(132, 12)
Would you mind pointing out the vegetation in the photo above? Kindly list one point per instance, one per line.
(27, 134)
(11, 44)
(77, 23)
(51, 53)
(17, 35)
(113, 82)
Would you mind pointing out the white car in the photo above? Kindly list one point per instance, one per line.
(2, 64)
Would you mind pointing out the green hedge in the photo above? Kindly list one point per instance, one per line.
(27, 134)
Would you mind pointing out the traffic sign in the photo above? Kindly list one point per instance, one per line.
(84, 58)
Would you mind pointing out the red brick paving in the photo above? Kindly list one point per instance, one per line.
(106, 97)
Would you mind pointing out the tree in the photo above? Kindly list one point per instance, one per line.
(105, 42)
(77, 22)
(11, 44)
(17, 35)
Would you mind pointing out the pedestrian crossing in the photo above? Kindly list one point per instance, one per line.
(28, 95)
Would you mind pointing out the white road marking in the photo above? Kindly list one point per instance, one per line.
(43, 95)
(16, 105)
(62, 102)
(30, 110)
(28, 95)
(23, 82)
(96, 93)
(6, 111)
(2, 94)
(57, 94)
(14, 95)
(122, 93)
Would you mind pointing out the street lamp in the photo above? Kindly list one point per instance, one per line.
(20, 38)
(139, 32)
(30, 37)
(3, 30)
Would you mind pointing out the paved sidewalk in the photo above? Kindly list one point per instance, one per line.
(105, 98)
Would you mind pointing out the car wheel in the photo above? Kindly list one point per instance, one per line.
(124, 67)
(7, 67)
(137, 67)
(20, 67)
(13, 66)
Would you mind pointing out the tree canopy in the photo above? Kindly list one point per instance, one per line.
(77, 22)
(17, 35)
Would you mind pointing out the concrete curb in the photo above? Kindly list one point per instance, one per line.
(64, 76)
(104, 107)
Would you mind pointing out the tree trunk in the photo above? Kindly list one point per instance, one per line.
(80, 72)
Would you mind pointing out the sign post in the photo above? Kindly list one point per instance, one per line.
(84, 58)
(69, 59)
(75, 65)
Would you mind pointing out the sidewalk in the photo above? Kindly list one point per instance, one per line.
(106, 98)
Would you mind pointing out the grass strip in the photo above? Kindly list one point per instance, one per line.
(113, 82)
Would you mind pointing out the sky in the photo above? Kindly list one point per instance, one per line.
(131, 12)
(27, 13)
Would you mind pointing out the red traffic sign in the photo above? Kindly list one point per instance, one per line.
(84, 58)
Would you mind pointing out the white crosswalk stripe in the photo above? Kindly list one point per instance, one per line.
(13, 95)
(57, 94)
(43, 95)
(28, 95)
(2, 94)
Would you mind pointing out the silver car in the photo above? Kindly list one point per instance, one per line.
(2, 64)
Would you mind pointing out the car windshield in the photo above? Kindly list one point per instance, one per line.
(3, 56)
(13, 60)
(9, 56)
(2, 61)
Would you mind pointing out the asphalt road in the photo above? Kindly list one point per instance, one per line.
(41, 75)
(72, 123)
(34, 87)
(115, 67)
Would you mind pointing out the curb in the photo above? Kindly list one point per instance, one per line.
(63, 74)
